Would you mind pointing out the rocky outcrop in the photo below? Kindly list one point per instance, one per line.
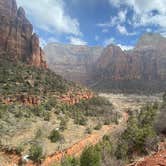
(72, 97)
(16, 35)
(26, 100)
(72, 62)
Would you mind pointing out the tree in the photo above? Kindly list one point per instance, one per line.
(90, 157)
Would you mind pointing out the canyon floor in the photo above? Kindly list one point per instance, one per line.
(125, 102)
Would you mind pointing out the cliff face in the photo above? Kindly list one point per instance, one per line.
(110, 67)
(16, 35)
(143, 68)
(72, 62)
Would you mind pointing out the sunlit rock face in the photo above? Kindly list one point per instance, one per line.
(16, 35)
(110, 67)
(143, 68)
(73, 62)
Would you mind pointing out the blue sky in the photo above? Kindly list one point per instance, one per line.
(95, 22)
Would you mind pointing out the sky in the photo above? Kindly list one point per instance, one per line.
(95, 22)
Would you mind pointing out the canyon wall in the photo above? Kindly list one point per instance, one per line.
(110, 68)
(72, 62)
(16, 35)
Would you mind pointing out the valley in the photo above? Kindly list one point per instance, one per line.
(70, 104)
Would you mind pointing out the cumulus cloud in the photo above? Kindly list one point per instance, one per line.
(114, 20)
(123, 30)
(77, 41)
(125, 47)
(105, 30)
(51, 16)
(149, 12)
(109, 41)
(44, 42)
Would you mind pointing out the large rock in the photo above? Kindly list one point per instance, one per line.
(73, 62)
(16, 35)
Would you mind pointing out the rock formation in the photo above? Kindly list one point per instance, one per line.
(109, 68)
(72, 62)
(16, 35)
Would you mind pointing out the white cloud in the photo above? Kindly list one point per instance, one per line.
(143, 11)
(114, 20)
(122, 16)
(77, 41)
(123, 30)
(109, 41)
(44, 42)
(125, 47)
(105, 30)
(51, 15)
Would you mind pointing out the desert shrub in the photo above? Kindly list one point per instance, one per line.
(19, 148)
(107, 122)
(36, 152)
(70, 161)
(160, 124)
(98, 126)
(55, 136)
(63, 124)
(88, 130)
(46, 115)
(39, 134)
(51, 103)
(91, 157)
(139, 133)
(79, 118)
(3, 110)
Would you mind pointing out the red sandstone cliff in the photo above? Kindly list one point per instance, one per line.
(16, 35)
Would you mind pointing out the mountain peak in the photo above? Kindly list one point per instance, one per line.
(16, 35)
(150, 41)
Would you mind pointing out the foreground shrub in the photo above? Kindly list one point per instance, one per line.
(55, 136)
(36, 153)
(91, 157)
(69, 161)
(139, 134)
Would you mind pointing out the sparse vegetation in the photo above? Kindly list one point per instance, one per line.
(139, 133)
(70, 161)
(91, 157)
(36, 152)
(55, 136)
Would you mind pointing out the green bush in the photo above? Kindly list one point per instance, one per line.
(139, 134)
(63, 124)
(69, 161)
(98, 126)
(36, 153)
(55, 136)
(91, 157)
(88, 130)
